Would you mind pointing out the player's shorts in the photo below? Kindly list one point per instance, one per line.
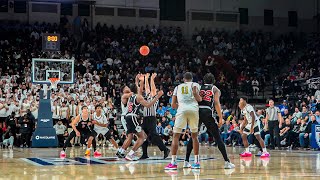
(124, 122)
(133, 124)
(256, 129)
(107, 134)
(184, 118)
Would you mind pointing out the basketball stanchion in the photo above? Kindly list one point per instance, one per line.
(45, 135)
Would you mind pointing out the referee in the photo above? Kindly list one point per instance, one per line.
(149, 120)
(274, 119)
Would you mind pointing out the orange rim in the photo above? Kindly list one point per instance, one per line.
(52, 80)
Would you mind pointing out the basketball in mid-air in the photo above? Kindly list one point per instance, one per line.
(144, 50)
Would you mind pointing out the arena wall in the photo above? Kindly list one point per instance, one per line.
(209, 14)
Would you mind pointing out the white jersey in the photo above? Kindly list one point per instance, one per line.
(102, 119)
(64, 112)
(55, 112)
(185, 97)
(73, 109)
(246, 112)
(124, 109)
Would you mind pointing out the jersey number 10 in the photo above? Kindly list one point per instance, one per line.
(184, 90)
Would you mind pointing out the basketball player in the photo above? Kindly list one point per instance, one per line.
(210, 96)
(133, 125)
(150, 120)
(124, 100)
(100, 127)
(81, 125)
(250, 125)
(185, 97)
(124, 110)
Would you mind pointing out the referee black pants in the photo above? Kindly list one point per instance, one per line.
(149, 126)
(274, 130)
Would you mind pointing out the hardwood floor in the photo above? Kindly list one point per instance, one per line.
(45, 164)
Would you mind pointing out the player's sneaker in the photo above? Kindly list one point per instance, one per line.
(186, 164)
(120, 155)
(131, 158)
(259, 153)
(171, 167)
(62, 154)
(229, 165)
(196, 166)
(97, 154)
(246, 154)
(265, 154)
(87, 152)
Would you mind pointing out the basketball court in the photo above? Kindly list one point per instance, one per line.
(44, 163)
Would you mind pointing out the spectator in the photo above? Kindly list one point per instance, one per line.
(8, 138)
(255, 86)
(160, 111)
(203, 134)
(294, 134)
(296, 115)
(185, 137)
(167, 133)
(307, 135)
(25, 129)
(225, 131)
(283, 106)
(60, 131)
(159, 129)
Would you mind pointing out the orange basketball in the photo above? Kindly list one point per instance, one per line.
(144, 50)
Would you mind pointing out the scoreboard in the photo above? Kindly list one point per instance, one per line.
(51, 42)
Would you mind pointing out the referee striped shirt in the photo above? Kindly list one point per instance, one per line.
(272, 112)
(151, 111)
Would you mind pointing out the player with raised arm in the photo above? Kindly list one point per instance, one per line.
(133, 125)
(185, 98)
(250, 125)
(150, 120)
(210, 99)
(124, 108)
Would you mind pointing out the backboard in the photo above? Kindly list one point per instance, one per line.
(43, 69)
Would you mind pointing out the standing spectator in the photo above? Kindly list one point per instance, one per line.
(25, 130)
(255, 86)
(274, 119)
(3, 113)
(60, 131)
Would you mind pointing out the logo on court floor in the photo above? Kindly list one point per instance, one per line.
(96, 161)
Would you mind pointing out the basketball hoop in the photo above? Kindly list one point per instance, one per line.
(54, 82)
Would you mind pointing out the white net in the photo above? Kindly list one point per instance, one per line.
(54, 82)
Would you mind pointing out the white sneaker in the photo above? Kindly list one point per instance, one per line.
(229, 165)
(186, 164)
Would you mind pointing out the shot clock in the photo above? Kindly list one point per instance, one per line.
(51, 42)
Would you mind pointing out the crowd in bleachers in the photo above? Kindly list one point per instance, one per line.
(107, 57)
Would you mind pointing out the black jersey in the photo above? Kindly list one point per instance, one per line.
(207, 95)
(83, 124)
(133, 105)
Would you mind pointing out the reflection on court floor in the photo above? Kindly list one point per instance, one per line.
(97, 161)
